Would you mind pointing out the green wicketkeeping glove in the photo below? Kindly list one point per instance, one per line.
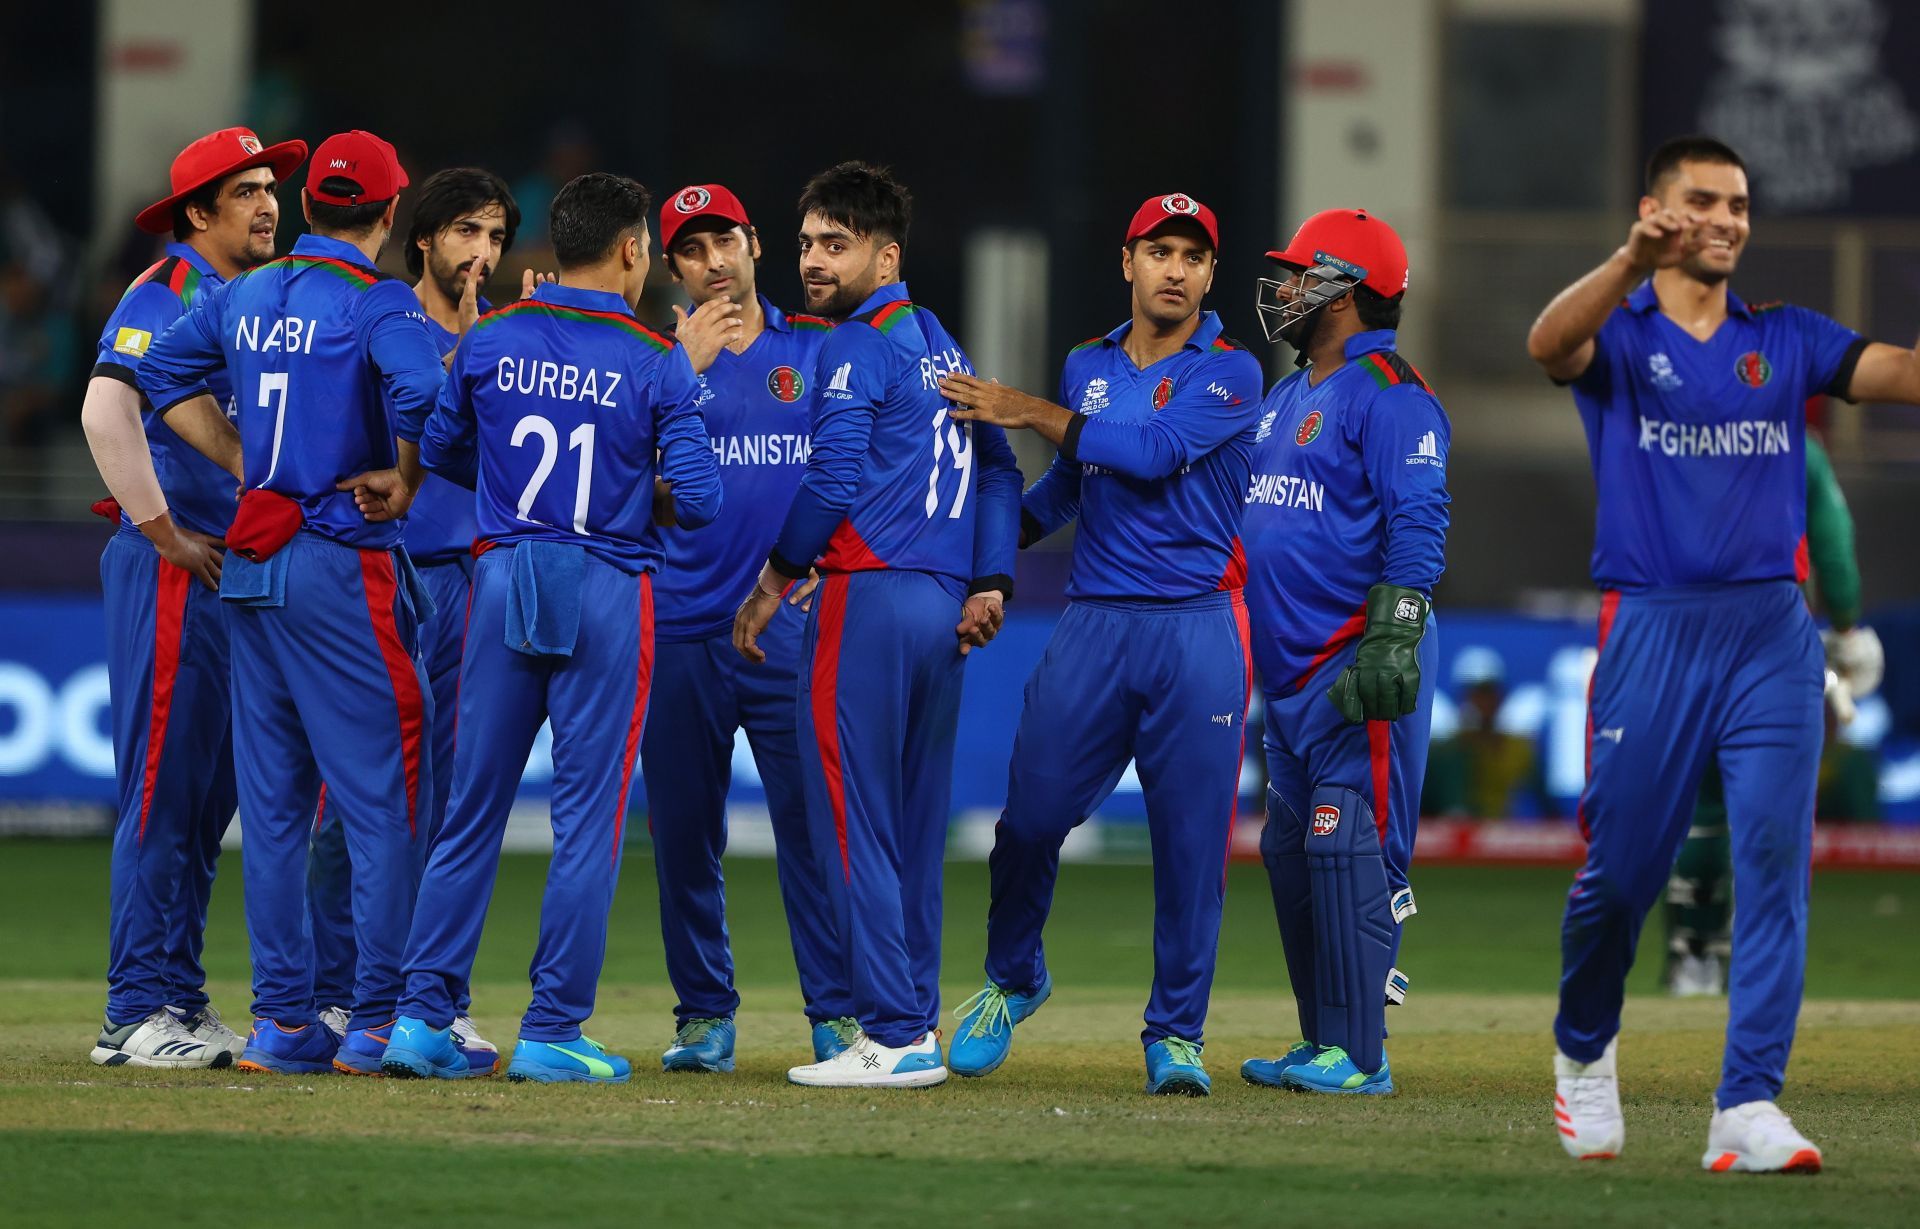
(1384, 680)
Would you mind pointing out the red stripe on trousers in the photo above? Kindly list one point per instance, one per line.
(1380, 753)
(826, 709)
(169, 627)
(1245, 633)
(377, 575)
(642, 688)
(1609, 608)
(320, 808)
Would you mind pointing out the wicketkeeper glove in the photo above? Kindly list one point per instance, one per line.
(1857, 657)
(1384, 680)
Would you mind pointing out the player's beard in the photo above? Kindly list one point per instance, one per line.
(846, 295)
(447, 275)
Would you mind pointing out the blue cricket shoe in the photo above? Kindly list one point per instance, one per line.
(1174, 1069)
(580, 1061)
(419, 1051)
(701, 1045)
(360, 1051)
(985, 1035)
(1332, 1071)
(272, 1046)
(832, 1037)
(1269, 1070)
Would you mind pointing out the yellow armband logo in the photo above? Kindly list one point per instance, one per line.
(132, 341)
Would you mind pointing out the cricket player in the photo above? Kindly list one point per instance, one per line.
(1150, 661)
(1699, 901)
(1694, 407)
(565, 398)
(334, 371)
(464, 221)
(1346, 527)
(757, 404)
(911, 518)
(166, 631)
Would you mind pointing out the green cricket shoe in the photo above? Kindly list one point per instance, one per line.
(580, 1061)
(1332, 1071)
(1268, 1071)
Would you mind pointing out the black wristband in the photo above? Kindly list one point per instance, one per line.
(1001, 582)
(792, 571)
(1070, 442)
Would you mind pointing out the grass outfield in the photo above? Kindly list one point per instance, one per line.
(1061, 1135)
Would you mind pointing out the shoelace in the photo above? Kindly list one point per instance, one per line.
(1329, 1058)
(695, 1031)
(992, 1003)
(1590, 1096)
(1182, 1051)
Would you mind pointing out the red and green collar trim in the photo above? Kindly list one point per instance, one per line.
(585, 315)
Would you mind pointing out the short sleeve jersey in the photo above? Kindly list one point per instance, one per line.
(1698, 447)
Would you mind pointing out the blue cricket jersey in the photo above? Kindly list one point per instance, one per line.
(199, 493)
(441, 523)
(1155, 466)
(330, 359)
(565, 398)
(890, 481)
(1349, 490)
(758, 408)
(1699, 447)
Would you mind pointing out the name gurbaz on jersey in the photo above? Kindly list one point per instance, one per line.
(1746, 438)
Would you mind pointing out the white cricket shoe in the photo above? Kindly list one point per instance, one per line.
(207, 1025)
(482, 1055)
(868, 1064)
(157, 1041)
(1697, 977)
(335, 1020)
(1756, 1138)
(1586, 1106)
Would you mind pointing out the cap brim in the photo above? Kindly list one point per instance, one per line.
(283, 159)
(1183, 220)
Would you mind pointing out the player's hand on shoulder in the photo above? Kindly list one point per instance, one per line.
(976, 400)
(380, 494)
(712, 327)
(981, 616)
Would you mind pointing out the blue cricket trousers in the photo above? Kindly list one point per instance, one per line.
(879, 704)
(704, 691)
(173, 763)
(329, 879)
(1165, 684)
(597, 701)
(1731, 674)
(326, 687)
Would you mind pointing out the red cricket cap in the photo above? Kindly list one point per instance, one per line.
(1354, 241)
(213, 158)
(1157, 211)
(361, 158)
(702, 200)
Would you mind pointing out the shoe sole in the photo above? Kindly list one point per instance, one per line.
(693, 1066)
(1278, 1080)
(528, 1074)
(346, 1068)
(104, 1057)
(410, 1066)
(280, 1066)
(928, 1078)
(1365, 1090)
(1805, 1161)
(1180, 1086)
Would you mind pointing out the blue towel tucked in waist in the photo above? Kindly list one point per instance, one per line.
(543, 598)
(413, 588)
(246, 583)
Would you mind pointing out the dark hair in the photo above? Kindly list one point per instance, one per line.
(1376, 310)
(1668, 157)
(207, 197)
(864, 198)
(593, 213)
(344, 219)
(452, 194)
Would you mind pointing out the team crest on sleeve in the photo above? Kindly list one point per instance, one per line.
(1309, 429)
(1180, 202)
(1752, 369)
(1325, 820)
(1163, 392)
(785, 383)
(693, 200)
(1095, 398)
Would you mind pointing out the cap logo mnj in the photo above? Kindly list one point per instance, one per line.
(1180, 202)
(692, 200)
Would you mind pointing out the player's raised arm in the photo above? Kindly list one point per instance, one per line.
(1561, 339)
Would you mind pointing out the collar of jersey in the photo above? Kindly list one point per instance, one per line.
(186, 252)
(886, 294)
(1203, 336)
(776, 319)
(1369, 342)
(1644, 300)
(574, 296)
(334, 249)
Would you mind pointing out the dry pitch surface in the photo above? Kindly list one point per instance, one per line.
(1061, 1135)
